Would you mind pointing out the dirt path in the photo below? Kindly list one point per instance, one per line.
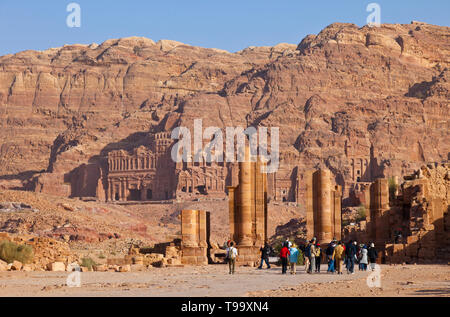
(396, 280)
(214, 281)
(179, 282)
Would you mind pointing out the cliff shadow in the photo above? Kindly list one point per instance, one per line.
(426, 247)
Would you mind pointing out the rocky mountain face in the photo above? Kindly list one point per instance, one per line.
(348, 94)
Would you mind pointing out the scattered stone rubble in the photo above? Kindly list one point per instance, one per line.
(9, 207)
(48, 254)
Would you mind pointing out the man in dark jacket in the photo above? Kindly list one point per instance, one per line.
(318, 257)
(265, 253)
(329, 253)
(350, 254)
(373, 255)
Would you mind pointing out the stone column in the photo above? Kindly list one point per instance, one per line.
(194, 231)
(324, 210)
(259, 203)
(189, 229)
(111, 190)
(245, 203)
(309, 205)
(232, 211)
(121, 190)
(202, 229)
(337, 212)
(379, 205)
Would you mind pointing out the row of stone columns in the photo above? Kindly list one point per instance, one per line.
(125, 164)
(120, 188)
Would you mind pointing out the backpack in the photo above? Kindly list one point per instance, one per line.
(267, 251)
(231, 254)
(308, 251)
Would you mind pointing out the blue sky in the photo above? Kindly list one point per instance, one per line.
(229, 24)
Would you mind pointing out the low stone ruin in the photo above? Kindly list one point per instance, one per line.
(48, 254)
(412, 223)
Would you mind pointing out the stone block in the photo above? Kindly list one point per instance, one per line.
(16, 266)
(202, 260)
(412, 239)
(125, 268)
(137, 267)
(398, 249)
(119, 261)
(200, 252)
(100, 268)
(186, 252)
(189, 260)
(172, 252)
(28, 268)
(138, 260)
(3, 266)
(174, 261)
(57, 267)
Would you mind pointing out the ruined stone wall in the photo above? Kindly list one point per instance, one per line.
(423, 209)
(412, 226)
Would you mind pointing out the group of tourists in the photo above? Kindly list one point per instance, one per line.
(337, 254)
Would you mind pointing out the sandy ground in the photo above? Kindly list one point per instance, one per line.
(410, 280)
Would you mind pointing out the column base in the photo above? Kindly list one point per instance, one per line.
(248, 256)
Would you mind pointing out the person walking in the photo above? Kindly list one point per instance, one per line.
(318, 254)
(232, 254)
(350, 254)
(373, 255)
(265, 253)
(284, 253)
(293, 258)
(359, 256)
(338, 254)
(288, 243)
(329, 254)
(312, 257)
(364, 260)
(307, 256)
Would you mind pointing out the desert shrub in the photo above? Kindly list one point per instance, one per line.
(277, 246)
(361, 213)
(392, 187)
(10, 252)
(88, 262)
(101, 256)
(301, 258)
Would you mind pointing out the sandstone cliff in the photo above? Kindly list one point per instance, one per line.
(348, 94)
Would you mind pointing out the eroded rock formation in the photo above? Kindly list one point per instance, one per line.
(362, 102)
